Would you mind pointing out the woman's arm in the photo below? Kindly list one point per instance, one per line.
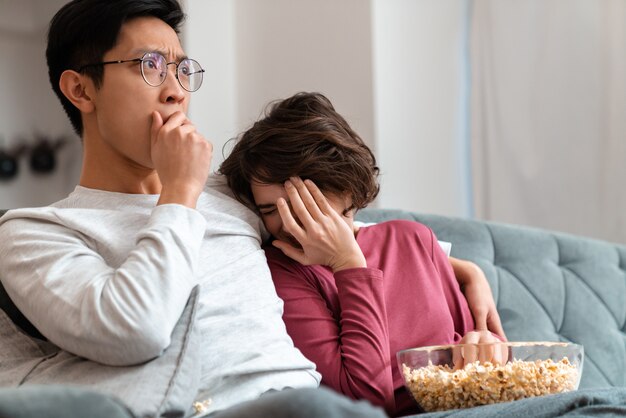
(476, 289)
(346, 336)
(343, 331)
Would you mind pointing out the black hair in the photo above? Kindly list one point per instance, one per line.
(82, 31)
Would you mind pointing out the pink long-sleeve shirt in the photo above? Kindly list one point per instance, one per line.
(351, 324)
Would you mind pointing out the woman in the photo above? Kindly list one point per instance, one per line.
(353, 296)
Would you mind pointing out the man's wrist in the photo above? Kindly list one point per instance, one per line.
(465, 271)
(185, 196)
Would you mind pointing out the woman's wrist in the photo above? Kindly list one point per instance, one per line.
(352, 262)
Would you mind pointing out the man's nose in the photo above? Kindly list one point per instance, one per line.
(172, 89)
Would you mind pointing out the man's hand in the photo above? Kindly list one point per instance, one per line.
(181, 157)
(325, 237)
(487, 348)
(479, 297)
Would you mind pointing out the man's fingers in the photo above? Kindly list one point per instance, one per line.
(494, 325)
(486, 346)
(457, 357)
(480, 321)
(504, 353)
(470, 351)
(497, 354)
(176, 119)
(479, 346)
(157, 123)
(187, 129)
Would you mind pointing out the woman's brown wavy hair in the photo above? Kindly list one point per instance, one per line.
(303, 136)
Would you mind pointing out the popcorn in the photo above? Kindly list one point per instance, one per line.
(438, 388)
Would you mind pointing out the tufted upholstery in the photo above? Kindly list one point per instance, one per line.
(547, 286)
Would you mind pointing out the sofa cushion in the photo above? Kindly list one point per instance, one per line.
(547, 286)
(58, 402)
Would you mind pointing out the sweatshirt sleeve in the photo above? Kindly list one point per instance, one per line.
(119, 315)
(459, 309)
(352, 354)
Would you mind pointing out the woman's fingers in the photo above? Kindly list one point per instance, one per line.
(311, 202)
(296, 198)
(289, 223)
(320, 199)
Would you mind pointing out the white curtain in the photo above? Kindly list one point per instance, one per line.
(549, 114)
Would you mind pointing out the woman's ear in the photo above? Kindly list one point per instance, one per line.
(73, 85)
(349, 210)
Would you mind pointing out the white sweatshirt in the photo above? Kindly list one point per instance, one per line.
(107, 275)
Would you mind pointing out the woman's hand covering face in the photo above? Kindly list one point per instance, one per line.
(325, 235)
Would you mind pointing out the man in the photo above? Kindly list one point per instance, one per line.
(106, 273)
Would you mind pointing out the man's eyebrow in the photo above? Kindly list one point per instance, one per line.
(142, 51)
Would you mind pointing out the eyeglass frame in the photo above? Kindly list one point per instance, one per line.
(142, 59)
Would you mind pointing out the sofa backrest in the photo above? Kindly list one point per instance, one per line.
(548, 286)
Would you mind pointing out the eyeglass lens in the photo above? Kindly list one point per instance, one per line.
(154, 70)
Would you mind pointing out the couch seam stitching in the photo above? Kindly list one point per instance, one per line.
(620, 266)
(495, 266)
(585, 284)
(498, 267)
(558, 264)
(589, 359)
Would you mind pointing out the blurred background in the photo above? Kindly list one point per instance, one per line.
(504, 110)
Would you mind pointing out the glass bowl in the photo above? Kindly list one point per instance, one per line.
(466, 375)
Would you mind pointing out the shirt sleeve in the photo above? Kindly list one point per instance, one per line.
(457, 304)
(351, 352)
(114, 315)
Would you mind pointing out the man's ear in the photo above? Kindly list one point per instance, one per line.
(74, 85)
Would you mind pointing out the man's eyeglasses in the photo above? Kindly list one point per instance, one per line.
(189, 73)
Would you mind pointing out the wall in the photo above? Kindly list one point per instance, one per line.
(256, 52)
(286, 46)
(419, 105)
(209, 37)
(28, 106)
(392, 67)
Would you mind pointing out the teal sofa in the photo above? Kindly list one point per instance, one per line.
(547, 286)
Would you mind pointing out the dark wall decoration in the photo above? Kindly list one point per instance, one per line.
(41, 154)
